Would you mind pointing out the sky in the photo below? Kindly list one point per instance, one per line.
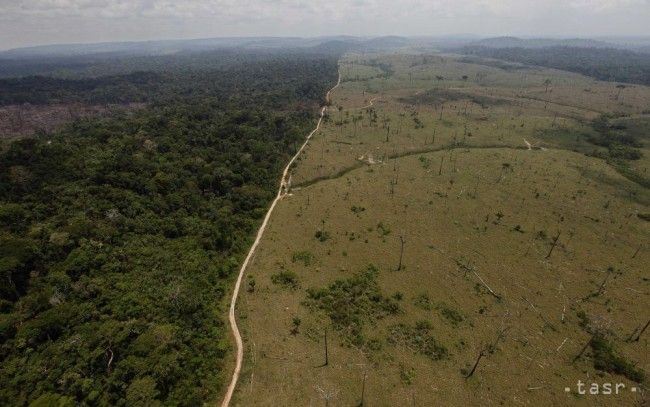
(38, 22)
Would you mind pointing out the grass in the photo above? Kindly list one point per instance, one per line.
(440, 96)
(470, 225)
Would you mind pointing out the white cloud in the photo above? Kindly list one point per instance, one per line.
(36, 21)
(387, 8)
(607, 5)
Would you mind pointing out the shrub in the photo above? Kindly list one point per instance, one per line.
(450, 314)
(251, 284)
(304, 257)
(584, 319)
(425, 161)
(322, 235)
(287, 279)
(382, 229)
(295, 325)
(418, 338)
(607, 360)
(353, 302)
(423, 301)
(406, 374)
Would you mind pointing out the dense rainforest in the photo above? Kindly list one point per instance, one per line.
(281, 78)
(605, 64)
(120, 234)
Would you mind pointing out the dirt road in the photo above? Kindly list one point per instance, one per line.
(282, 191)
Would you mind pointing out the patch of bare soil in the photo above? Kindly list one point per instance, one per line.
(25, 120)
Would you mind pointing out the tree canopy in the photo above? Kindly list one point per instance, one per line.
(119, 235)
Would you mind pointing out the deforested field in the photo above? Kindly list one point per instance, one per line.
(459, 232)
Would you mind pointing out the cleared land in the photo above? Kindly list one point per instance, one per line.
(24, 120)
(524, 231)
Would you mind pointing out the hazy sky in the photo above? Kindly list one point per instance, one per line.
(31, 22)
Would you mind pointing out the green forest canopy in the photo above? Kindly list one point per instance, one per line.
(119, 235)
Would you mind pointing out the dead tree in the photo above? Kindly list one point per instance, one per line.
(327, 360)
(495, 295)
(584, 348)
(638, 336)
(401, 252)
(553, 245)
(488, 349)
(602, 285)
(480, 356)
(363, 390)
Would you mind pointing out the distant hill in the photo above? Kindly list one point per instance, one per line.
(606, 64)
(337, 46)
(387, 42)
(165, 47)
(326, 43)
(514, 42)
(117, 58)
(632, 44)
(150, 47)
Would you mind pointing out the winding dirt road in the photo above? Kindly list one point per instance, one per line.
(282, 191)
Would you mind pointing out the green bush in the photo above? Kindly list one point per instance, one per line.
(450, 314)
(606, 359)
(423, 301)
(418, 338)
(287, 279)
(322, 235)
(352, 303)
(305, 257)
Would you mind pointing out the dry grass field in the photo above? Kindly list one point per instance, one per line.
(452, 211)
